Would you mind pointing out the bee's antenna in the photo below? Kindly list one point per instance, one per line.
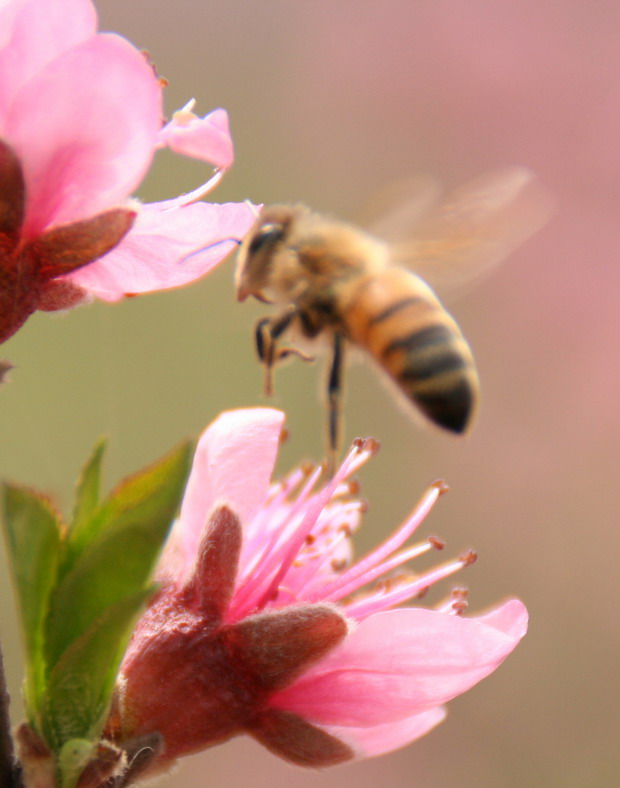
(253, 208)
(202, 249)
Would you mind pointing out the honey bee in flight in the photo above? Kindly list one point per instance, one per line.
(333, 279)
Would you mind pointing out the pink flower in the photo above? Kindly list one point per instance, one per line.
(264, 625)
(80, 120)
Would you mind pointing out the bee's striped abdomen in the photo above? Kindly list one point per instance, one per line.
(400, 321)
(431, 368)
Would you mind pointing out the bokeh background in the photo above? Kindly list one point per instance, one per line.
(329, 101)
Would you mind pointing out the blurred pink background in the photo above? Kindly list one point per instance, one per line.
(329, 101)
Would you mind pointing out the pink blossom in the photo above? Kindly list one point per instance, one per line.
(265, 625)
(205, 138)
(80, 121)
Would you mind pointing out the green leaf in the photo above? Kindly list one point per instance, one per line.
(72, 758)
(87, 497)
(86, 763)
(81, 591)
(131, 527)
(81, 684)
(34, 533)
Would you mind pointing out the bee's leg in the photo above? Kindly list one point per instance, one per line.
(266, 335)
(334, 401)
(267, 332)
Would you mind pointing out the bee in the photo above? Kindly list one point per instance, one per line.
(334, 279)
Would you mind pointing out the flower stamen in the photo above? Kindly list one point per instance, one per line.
(457, 603)
(388, 547)
(398, 559)
(285, 557)
(372, 604)
(277, 555)
(196, 194)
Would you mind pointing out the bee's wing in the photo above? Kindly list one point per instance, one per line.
(453, 238)
(394, 210)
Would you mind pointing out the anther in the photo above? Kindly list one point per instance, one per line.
(436, 542)
(441, 486)
(307, 468)
(354, 487)
(456, 604)
(370, 445)
(387, 584)
(470, 557)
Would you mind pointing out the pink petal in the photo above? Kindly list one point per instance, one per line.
(380, 739)
(207, 139)
(154, 255)
(87, 146)
(400, 662)
(33, 33)
(510, 618)
(233, 464)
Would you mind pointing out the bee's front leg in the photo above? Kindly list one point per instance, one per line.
(334, 403)
(267, 333)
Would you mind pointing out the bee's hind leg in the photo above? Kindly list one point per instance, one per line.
(266, 336)
(334, 403)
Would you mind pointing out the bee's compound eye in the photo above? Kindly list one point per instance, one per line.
(268, 235)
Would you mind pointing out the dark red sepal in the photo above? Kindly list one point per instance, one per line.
(12, 193)
(211, 586)
(277, 646)
(298, 741)
(66, 248)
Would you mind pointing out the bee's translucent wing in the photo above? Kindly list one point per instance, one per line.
(450, 239)
(394, 210)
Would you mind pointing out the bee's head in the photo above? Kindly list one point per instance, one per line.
(255, 261)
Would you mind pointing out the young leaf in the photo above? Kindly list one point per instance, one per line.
(87, 497)
(81, 683)
(85, 764)
(131, 528)
(34, 538)
(72, 758)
